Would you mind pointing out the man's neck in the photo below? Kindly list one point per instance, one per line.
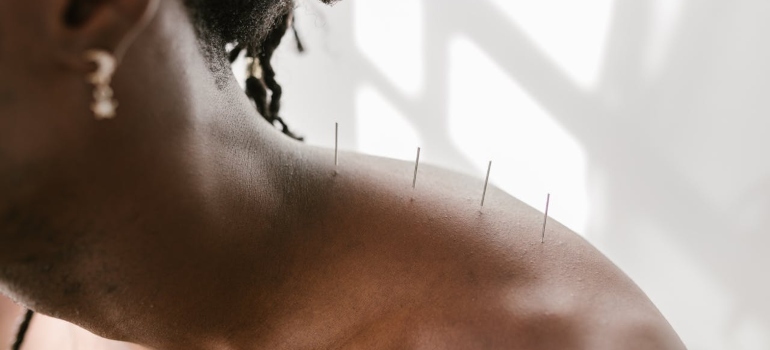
(171, 226)
(175, 234)
(210, 266)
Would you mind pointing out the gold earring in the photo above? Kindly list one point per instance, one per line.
(103, 105)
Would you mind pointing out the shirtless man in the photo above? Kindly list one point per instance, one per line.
(188, 222)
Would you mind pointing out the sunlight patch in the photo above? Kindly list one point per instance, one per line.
(572, 33)
(394, 47)
(492, 117)
(383, 130)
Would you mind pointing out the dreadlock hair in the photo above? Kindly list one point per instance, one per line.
(253, 27)
(261, 75)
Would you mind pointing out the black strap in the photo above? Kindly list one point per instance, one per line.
(22, 332)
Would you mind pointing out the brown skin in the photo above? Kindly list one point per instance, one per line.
(190, 223)
(9, 315)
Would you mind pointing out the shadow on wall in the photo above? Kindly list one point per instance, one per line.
(678, 176)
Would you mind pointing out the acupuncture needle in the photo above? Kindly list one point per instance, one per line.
(336, 143)
(545, 220)
(416, 166)
(486, 183)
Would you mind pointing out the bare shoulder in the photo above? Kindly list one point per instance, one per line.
(560, 295)
(500, 286)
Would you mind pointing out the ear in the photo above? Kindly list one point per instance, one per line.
(110, 25)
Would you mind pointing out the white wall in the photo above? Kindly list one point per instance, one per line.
(646, 119)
